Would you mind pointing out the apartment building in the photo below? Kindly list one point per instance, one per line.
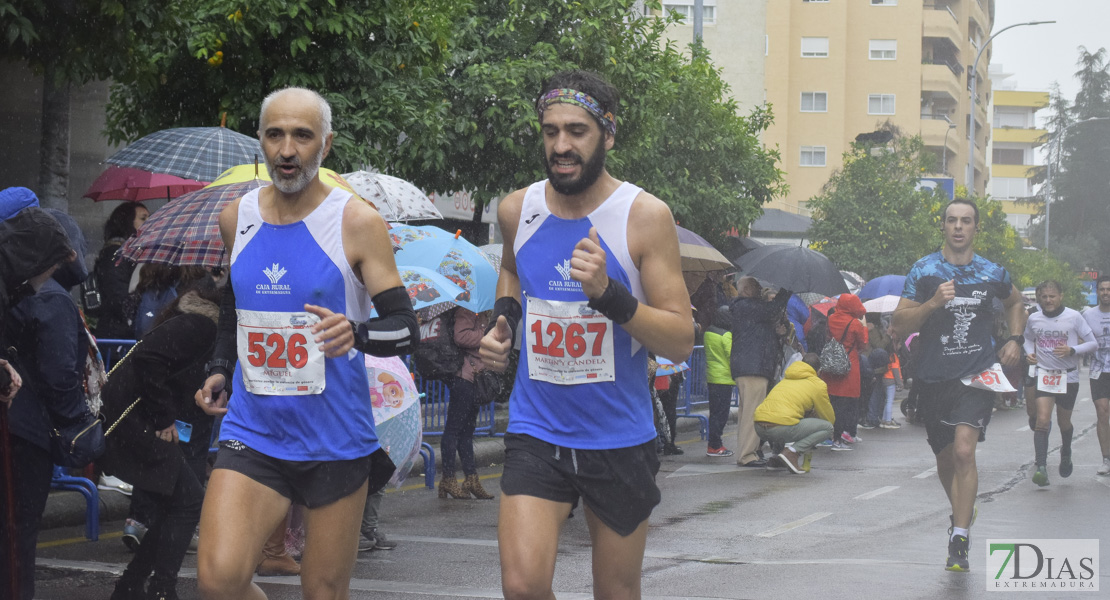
(1015, 137)
(833, 69)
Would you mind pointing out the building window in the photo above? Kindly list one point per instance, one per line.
(884, 2)
(815, 47)
(813, 156)
(883, 49)
(1004, 118)
(880, 104)
(685, 10)
(1009, 187)
(815, 102)
(1008, 156)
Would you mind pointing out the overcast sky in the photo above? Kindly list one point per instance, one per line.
(1043, 54)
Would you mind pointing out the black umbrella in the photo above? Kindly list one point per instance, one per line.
(794, 268)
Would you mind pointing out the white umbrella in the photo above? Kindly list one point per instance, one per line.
(882, 304)
(395, 198)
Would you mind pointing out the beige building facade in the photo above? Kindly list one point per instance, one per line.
(1015, 137)
(833, 69)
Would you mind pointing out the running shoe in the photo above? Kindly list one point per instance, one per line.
(114, 484)
(720, 452)
(1041, 476)
(957, 554)
(840, 446)
(829, 444)
(1105, 468)
(868, 425)
(849, 439)
(1065, 465)
(133, 532)
(891, 424)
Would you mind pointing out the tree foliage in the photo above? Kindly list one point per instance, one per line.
(442, 93)
(1080, 158)
(870, 217)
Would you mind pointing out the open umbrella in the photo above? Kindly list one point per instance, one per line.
(852, 280)
(885, 285)
(137, 185)
(451, 256)
(794, 268)
(199, 153)
(396, 405)
(698, 258)
(811, 298)
(186, 231)
(882, 304)
(395, 198)
(430, 290)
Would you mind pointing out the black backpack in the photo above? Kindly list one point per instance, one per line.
(437, 356)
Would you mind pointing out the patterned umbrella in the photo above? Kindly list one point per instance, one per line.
(395, 198)
(199, 153)
(186, 231)
(137, 185)
(430, 290)
(450, 256)
(396, 404)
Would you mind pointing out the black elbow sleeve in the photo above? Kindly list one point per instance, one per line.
(394, 332)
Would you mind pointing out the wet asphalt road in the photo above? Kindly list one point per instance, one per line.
(865, 523)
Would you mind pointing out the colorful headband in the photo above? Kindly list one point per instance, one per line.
(581, 100)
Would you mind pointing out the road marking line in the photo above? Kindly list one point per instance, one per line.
(931, 471)
(793, 525)
(703, 469)
(1023, 428)
(878, 492)
(77, 540)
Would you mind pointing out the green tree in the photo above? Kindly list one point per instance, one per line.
(442, 93)
(1080, 159)
(871, 217)
(72, 42)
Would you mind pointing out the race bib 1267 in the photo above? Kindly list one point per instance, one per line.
(568, 343)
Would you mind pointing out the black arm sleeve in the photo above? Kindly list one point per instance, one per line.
(394, 332)
(225, 335)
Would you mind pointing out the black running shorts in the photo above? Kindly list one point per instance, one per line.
(945, 404)
(1100, 386)
(1066, 400)
(617, 485)
(310, 483)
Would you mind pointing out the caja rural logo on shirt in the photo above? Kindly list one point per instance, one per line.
(274, 273)
(566, 283)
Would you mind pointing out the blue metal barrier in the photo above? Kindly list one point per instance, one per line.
(695, 391)
(434, 408)
(62, 481)
(429, 455)
(112, 350)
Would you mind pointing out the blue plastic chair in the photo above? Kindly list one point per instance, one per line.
(62, 481)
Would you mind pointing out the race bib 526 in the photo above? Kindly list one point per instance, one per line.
(277, 353)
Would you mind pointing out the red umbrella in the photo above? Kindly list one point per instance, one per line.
(136, 185)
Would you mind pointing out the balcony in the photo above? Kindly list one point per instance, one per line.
(935, 132)
(1019, 135)
(1015, 171)
(941, 79)
(942, 23)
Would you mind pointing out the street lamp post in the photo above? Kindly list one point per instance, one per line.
(944, 149)
(970, 181)
(1048, 183)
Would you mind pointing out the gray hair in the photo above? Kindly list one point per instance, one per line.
(322, 106)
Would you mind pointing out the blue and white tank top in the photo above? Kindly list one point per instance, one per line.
(275, 271)
(582, 381)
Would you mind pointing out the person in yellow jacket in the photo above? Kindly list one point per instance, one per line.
(718, 348)
(786, 416)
